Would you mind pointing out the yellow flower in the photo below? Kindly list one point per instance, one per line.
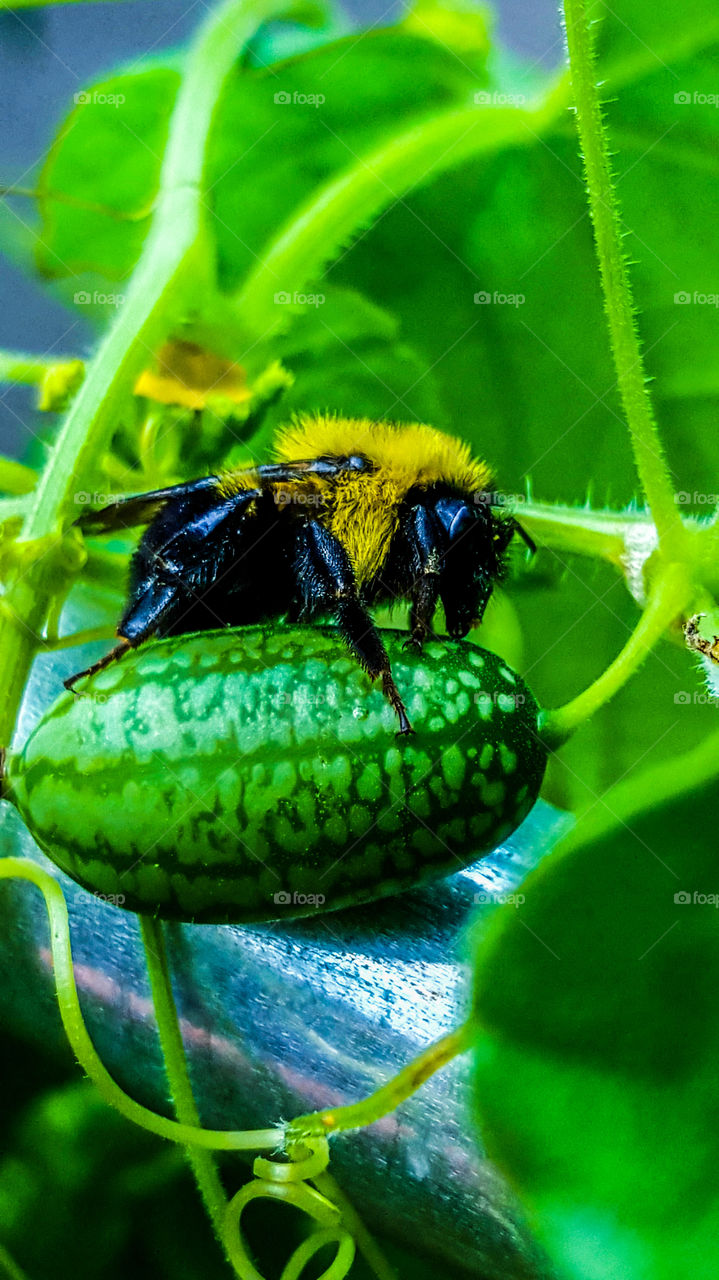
(187, 375)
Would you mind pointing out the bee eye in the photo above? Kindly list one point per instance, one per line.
(461, 523)
(456, 517)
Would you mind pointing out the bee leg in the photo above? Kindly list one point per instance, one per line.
(391, 693)
(424, 603)
(424, 543)
(459, 622)
(147, 609)
(100, 665)
(363, 639)
(327, 584)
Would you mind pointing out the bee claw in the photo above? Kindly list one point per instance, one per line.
(405, 727)
(413, 645)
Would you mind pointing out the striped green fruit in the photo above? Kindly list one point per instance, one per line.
(256, 774)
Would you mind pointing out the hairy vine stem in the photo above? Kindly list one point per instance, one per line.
(676, 572)
(620, 311)
(173, 1053)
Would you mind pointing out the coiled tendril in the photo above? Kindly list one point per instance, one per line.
(288, 1181)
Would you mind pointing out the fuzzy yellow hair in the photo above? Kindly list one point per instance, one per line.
(361, 509)
(236, 480)
(413, 454)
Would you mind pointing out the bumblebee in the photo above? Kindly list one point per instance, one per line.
(351, 514)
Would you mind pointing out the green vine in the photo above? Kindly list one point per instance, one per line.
(676, 576)
(308, 1152)
(203, 1167)
(83, 1048)
(620, 310)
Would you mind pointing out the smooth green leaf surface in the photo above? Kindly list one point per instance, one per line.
(327, 107)
(348, 356)
(107, 156)
(596, 1062)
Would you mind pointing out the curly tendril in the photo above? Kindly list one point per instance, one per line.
(287, 1181)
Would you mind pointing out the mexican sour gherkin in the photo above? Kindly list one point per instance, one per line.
(255, 774)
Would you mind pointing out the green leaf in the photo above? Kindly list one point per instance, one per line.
(101, 174)
(328, 106)
(348, 357)
(369, 88)
(596, 1064)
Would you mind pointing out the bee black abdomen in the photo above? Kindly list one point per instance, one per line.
(206, 563)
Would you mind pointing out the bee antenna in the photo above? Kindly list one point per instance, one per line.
(489, 496)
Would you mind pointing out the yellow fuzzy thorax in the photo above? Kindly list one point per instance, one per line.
(361, 509)
(412, 454)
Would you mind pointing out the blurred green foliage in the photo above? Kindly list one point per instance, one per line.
(84, 1193)
(596, 1065)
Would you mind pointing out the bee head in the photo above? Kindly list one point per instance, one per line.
(504, 525)
(478, 531)
(478, 521)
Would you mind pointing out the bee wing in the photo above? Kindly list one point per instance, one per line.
(328, 465)
(140, 508)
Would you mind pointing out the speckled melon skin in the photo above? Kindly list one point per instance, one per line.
(236, 776)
